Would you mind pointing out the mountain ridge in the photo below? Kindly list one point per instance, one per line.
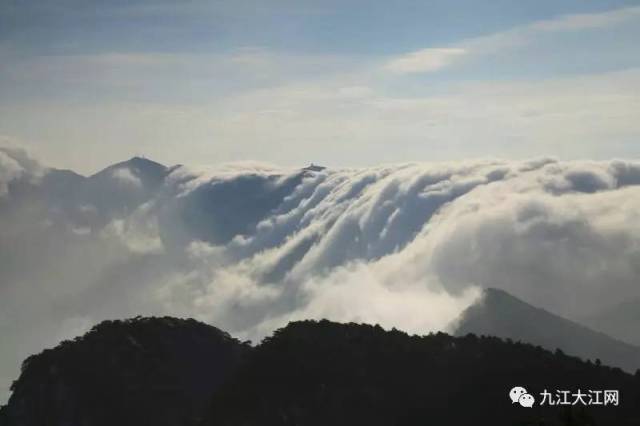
(119, 370)
(309, 373)
(500, 314)
(621, 321)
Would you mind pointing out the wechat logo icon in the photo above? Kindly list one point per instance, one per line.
(521, 396)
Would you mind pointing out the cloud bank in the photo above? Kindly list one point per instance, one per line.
(248, 247)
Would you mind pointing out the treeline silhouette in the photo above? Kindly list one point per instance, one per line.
(166, 371)
(143, 371)
(322, 373)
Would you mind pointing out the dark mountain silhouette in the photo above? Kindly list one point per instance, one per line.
(58, 184)
(621, 321)
(72, 200)
(150, 172)
(322, 373)
(122, 187)
(145, 371)
(166, 371)
(498, 313)
(218, 211)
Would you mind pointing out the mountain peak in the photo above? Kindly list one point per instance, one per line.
(137, 165)
(492, 292)
(500, 314)
(497, 297)
(142, 161)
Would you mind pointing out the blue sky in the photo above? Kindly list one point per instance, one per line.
(85, 83)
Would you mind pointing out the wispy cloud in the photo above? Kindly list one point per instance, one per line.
(437, 58)
(425, 60)
(291, 107)
(585, 21)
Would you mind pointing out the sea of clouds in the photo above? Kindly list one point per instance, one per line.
(249, 247)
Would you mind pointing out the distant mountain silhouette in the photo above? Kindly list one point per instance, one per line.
(145, 371)
(123, 186)
(220, 210)
(92, 202)
(58, 184)
(165, 371)
(498, 313)
(148, 171)
(621, 321)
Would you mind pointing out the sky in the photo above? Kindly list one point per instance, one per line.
(342, 83)
(489, 85)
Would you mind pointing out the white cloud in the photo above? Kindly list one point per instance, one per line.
(126, 177)
(340, 243)
(16, 163)
(9, 171)
(248, 247)
(425, 60)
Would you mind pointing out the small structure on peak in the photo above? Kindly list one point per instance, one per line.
(314, 168)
